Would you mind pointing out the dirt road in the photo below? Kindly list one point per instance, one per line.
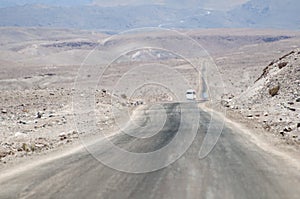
(236, 168)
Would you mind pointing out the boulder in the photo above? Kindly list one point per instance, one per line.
(3, 154)
(250, 115)
(25, 147)
(63, 136)
(291, 109)
(274, 91)
(282, 65)
(19, 134)
(22, 122)
(225, 103)
(39, 115)
(287, 129)
(3, 111)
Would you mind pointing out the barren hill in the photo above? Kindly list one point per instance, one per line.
(274, 99)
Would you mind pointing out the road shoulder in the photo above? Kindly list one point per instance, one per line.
(257, 135)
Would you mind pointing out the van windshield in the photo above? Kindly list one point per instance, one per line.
(191, 92)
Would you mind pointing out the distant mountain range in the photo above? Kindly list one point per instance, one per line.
(13, 3)
(81, 14)
(267, 14)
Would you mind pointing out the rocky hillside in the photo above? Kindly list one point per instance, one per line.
(274, 99)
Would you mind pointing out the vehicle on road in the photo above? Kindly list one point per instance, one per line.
(190, 94)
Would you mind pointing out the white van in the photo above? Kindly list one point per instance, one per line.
(190, 94)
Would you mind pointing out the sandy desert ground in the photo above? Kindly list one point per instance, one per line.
(39, 68)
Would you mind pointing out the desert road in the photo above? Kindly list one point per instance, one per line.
(236, 168)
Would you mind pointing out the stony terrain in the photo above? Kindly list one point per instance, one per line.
(274, 99)
(33, 120)
(39, 68)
